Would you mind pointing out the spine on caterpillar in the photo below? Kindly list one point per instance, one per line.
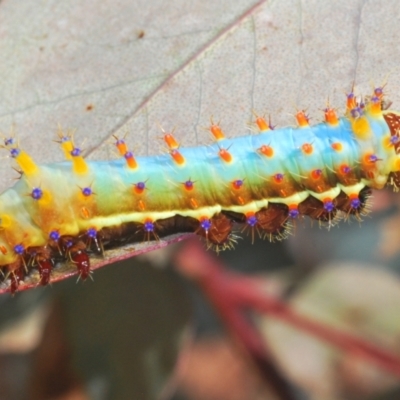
(67, 211)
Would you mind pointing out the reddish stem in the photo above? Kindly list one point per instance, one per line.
(230, 293)
(217, 289)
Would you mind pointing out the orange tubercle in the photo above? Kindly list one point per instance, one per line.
(293, 211)
(316, 174)
(188, 185)
(130, 160)
(225, 155)
(375, 106)
(307, 148)
(139, 187)
(344, 169)
(331, 116)
(237, 184)
(302, 119)
(121, 145)
(370, 159)
(268, 151)
(351, 102)
(216, 131)
(278, 178)
(177, 157)
(262, 124)
(171, 141)
(337, 146)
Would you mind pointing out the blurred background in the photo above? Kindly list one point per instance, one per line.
(142, 330)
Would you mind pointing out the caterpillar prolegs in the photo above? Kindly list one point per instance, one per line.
(69, 212)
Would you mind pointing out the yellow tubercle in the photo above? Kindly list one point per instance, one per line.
(67, 148)
(360, 127)
(66, 142)
(26, 163)
(375, 108)
(79, 165)
(46, 198)
(5, 221)
(395, 164)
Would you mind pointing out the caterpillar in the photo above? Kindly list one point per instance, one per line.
(69, 212)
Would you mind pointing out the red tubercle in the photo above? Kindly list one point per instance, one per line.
(237, 184)
(188, 185)
(139, 187)
(344, 169)
(278, 178)
(3, 250)
(316, 173)
(370, 159)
